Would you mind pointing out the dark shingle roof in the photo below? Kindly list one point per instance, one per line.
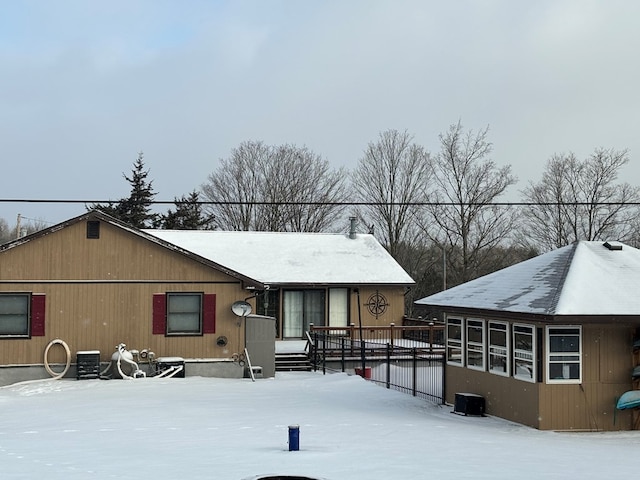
(585, 278)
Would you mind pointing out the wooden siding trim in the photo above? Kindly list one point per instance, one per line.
(124, 282)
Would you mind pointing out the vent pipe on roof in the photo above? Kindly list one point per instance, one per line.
(352, 227)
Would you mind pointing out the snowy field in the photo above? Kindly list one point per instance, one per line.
(206, 428)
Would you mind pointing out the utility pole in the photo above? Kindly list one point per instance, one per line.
(444, 268)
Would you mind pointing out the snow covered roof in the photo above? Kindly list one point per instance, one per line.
(585, 278)
(293, 258)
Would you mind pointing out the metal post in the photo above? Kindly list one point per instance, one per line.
(443, 363)
(388, 366)
(324, 353)
(391, 330)
(315, 350)
(362, 355)
(414, 351)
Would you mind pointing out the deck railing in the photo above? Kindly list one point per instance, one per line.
(418, 370)
(424, 336)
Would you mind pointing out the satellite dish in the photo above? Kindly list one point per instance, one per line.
(241, 308)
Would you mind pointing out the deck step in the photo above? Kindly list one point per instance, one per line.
(293, 362)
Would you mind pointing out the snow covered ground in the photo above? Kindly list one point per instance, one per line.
(209, 428)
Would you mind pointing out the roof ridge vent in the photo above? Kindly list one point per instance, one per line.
(613, 245)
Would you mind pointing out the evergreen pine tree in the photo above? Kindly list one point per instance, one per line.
(187, 216)
(136, 209)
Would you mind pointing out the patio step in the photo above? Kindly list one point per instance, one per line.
(293, 362)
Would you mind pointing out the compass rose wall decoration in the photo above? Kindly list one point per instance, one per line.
(377, 304)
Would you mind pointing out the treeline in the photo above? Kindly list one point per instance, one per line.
(440, 214)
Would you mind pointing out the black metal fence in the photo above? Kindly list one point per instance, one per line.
(417, 369)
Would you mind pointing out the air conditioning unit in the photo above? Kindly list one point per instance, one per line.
(88, 364)
(469, 404)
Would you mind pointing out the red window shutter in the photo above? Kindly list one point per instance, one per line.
(209, 313)
(37, 315)
(159, 314)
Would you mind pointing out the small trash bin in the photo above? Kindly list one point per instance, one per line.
(294, 438)
(367, 372)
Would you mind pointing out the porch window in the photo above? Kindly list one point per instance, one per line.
(301, 308)
(499, 348)
(475, 344)
(564, 354)
(524, 353)
(14, 315)
(454, 341)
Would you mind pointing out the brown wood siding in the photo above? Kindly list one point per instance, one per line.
(116, 255)
(505, 397)
(99, 317)
(99, 293)
(606, 374)
(392, 314)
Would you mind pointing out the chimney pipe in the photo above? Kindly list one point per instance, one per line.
(352, 227)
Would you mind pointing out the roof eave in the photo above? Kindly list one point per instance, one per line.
(336, 284)
(483, 312)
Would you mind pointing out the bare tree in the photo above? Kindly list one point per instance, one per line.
(580, 200)
(5, 232)
(545, 222)
(235, 187)
(274, 188)
(461, 217)
(309, 178)
(23, 226)
(392, 180)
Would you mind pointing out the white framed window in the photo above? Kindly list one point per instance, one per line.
(455, 339)
(564, 354)
(499, 346)
(524, 352)
(475, 344)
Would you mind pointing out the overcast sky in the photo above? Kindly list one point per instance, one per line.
(85, 86)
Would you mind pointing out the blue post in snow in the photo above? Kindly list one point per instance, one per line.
(294, 438)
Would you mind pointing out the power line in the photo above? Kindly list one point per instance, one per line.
(324, 203)
(22, 217)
